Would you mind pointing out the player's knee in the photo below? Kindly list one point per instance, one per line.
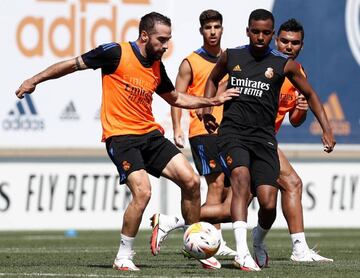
(240, 176)
(192, 184)
(243, 190)
(142, 197)
(215, 182)
(240, 183)
(217, 185)
(268, 206)
(295, 185)
(267, 202)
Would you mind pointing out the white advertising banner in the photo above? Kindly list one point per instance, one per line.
(64, 113)
(64, 195)
(88, 196)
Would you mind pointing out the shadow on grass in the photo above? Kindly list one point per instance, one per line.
(103, 266)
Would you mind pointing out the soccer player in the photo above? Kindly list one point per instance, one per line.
(290, 41)
(246, 136)
(193, 73)
(131, 73)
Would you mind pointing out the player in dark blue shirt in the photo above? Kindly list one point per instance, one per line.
(246, 137)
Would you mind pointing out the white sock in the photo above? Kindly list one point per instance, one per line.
(126, 246)
(240, 231)
(259, 234)
(299, 242)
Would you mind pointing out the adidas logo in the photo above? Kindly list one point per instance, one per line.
(237, 68)
(335, 116)
(23, 117)
(24, 108)
(69, 112)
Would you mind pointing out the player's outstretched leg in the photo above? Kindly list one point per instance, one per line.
(291, 190)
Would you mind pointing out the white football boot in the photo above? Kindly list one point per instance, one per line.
(308, 255)
(225, 250)
(125, 263)
(246, 263)
(161, 226)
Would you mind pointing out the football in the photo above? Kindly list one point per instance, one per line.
(201, 240)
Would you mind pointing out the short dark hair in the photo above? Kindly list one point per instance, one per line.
(210, 15)
(261, 14)
(148, 21)
(292, 25)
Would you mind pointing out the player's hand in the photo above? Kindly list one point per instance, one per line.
(200, 112)
(27, 87)
(301, 102)
(179, 138)
(210, 123)
(226, 95)
(328, 141)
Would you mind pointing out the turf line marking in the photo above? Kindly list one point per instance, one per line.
(50, 250)
(60, 275)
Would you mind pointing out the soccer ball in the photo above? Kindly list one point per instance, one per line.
(201, 240)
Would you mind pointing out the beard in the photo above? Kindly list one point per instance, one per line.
(151, 54)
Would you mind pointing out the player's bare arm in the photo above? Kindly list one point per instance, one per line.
(218, 73)
(300, 82)
(298, 115)
(187, 101)
(183, 80)
(211, 89)
(211, 125)
(221, 88)
(54, 71)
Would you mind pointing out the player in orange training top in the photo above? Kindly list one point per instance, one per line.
(131, 73)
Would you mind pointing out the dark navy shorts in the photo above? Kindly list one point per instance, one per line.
(261, 159)
(151, 151)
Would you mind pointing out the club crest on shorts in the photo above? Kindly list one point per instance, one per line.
(229, 160)
(212, 164)
(126, 165)
(269, 73)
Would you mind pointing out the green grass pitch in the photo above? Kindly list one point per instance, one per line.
(91, 253)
